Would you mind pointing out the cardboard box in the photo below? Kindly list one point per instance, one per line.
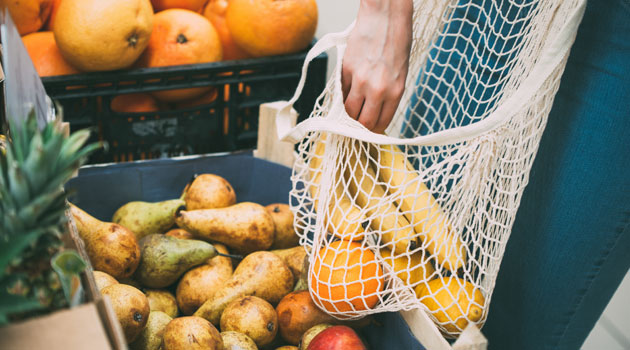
(92, 325)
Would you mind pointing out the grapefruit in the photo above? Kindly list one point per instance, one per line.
(271, 27)
(96, 35)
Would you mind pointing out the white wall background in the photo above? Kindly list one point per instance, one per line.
(335, 16)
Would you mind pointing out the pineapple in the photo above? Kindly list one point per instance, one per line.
(34, 166)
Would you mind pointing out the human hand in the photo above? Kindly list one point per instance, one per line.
(376, 61)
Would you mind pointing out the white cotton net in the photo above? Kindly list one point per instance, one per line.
(419, 217)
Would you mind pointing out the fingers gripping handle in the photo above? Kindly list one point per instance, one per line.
(556, 49)
(286, 131)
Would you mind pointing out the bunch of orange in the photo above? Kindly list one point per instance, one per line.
(96, 35)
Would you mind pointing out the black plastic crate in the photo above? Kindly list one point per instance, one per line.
(227, 124)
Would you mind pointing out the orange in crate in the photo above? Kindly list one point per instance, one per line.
(345, 277)
(96, 35)
(134, 103)
(53, 14)
(193, 5)
(205, 99)
(29, 15)
(181, 37)
(45, 54)
(270, 27)
(215, 12)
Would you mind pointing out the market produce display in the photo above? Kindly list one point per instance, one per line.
(72, 36)
(183, 283)
(184, 269)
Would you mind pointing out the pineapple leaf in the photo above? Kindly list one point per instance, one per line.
(33, 210)
(18, 185)
(13, 247)
(10, 304)
(33, 170)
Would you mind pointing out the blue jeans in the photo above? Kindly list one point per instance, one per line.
(570, 243)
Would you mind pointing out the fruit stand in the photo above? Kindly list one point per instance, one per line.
(181, 224)
(101, 190)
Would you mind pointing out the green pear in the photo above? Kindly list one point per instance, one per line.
(144, 218)
(164, 259)
(151, 336)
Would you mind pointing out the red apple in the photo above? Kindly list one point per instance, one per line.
(337, 338)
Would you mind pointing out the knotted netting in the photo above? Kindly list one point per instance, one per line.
(420, 217)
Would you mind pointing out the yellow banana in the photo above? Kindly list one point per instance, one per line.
(316, 161)
(386, 219)
(410, 268)
(419, 207)
(343, 218)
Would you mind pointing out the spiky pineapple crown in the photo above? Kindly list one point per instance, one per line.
(33, 169)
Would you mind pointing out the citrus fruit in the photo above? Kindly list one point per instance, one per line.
(96, 35)
(193, 5)
(28, 15)
(215, 12)
(134, 103)
(204, 99)
(346, 277)
(181, 37)
(410, 268)
(271, 27)
(53, 14)
(452, 301)
(45, 54)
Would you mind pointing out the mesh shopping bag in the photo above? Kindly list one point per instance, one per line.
(419, 217)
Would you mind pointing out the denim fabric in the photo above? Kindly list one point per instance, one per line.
(570, 244)
(463, 91)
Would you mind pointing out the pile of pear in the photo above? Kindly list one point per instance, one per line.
(170, 269)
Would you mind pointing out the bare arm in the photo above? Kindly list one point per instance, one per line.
(376, 61)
